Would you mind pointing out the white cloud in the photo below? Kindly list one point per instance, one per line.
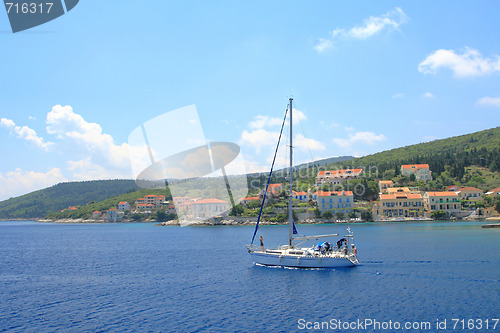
(85, 169)
(365, 138)
(469, 63)
(18, 182)
(428, 95)
(304, 143)
(258, 138)
(489, 101)
(263, 121)
(26, 133)
(66, 124)
(398, 95)
(323, 44)
(370, 27)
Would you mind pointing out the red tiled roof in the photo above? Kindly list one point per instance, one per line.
(442, 194)
(495, 190)
(339, 172)
(404, 195)
(250, 199)
(469, 188)
(122, 202)
(415, 166)
(300, 193)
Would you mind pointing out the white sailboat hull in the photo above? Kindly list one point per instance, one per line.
(304, 261)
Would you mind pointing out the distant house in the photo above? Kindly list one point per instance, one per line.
(470, 193)
(152, 201)
(494, 192)
(112, 215)
(394, 190)
(447, 201)
(170, 209)
(245, 201)
(301, 196)
(421, 171)
(144, 207)
(96, 215)
(334, 201)
(273, 190)
(336, 177)
(155, 200)
(123, 206)
(453, 188)
(384, 184)
(206, 208)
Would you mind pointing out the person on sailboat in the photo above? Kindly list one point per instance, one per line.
(261, 243)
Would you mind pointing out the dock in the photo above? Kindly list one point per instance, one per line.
(493, 225)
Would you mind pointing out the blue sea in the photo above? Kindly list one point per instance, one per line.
(145, 278)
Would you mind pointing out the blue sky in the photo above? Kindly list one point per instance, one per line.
(365, 77)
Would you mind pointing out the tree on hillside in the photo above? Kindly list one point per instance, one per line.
(237, 210)
(497, 204)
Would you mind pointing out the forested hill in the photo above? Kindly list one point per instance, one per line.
(53, 199)
(480, 148)
(448, 159)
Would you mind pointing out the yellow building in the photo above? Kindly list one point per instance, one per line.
(421, 171)
(385, 184)
(401, 204)
(470, 193)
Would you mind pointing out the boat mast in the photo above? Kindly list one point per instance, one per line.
(290, 212)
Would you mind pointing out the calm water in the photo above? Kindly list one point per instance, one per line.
(139, 277)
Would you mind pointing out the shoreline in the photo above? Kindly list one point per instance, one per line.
(244, 221)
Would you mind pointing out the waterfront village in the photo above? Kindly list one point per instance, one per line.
(394, 203)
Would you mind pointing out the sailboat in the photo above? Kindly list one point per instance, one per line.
(321, 255)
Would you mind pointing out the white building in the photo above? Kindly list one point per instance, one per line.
(123, 206)
(206, 208)
(336, 177)
(447, 201)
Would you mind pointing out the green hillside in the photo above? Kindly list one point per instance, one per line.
(102, 206)
(472, 160)
(452, 155)
(53, 199)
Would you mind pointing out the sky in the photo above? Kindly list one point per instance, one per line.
(365, 76)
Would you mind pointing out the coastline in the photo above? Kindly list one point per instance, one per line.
(228, 221)
(242, 221)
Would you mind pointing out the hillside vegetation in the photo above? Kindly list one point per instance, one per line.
(451, 158)
(102, 206)
(467, 160)
(53, 199)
